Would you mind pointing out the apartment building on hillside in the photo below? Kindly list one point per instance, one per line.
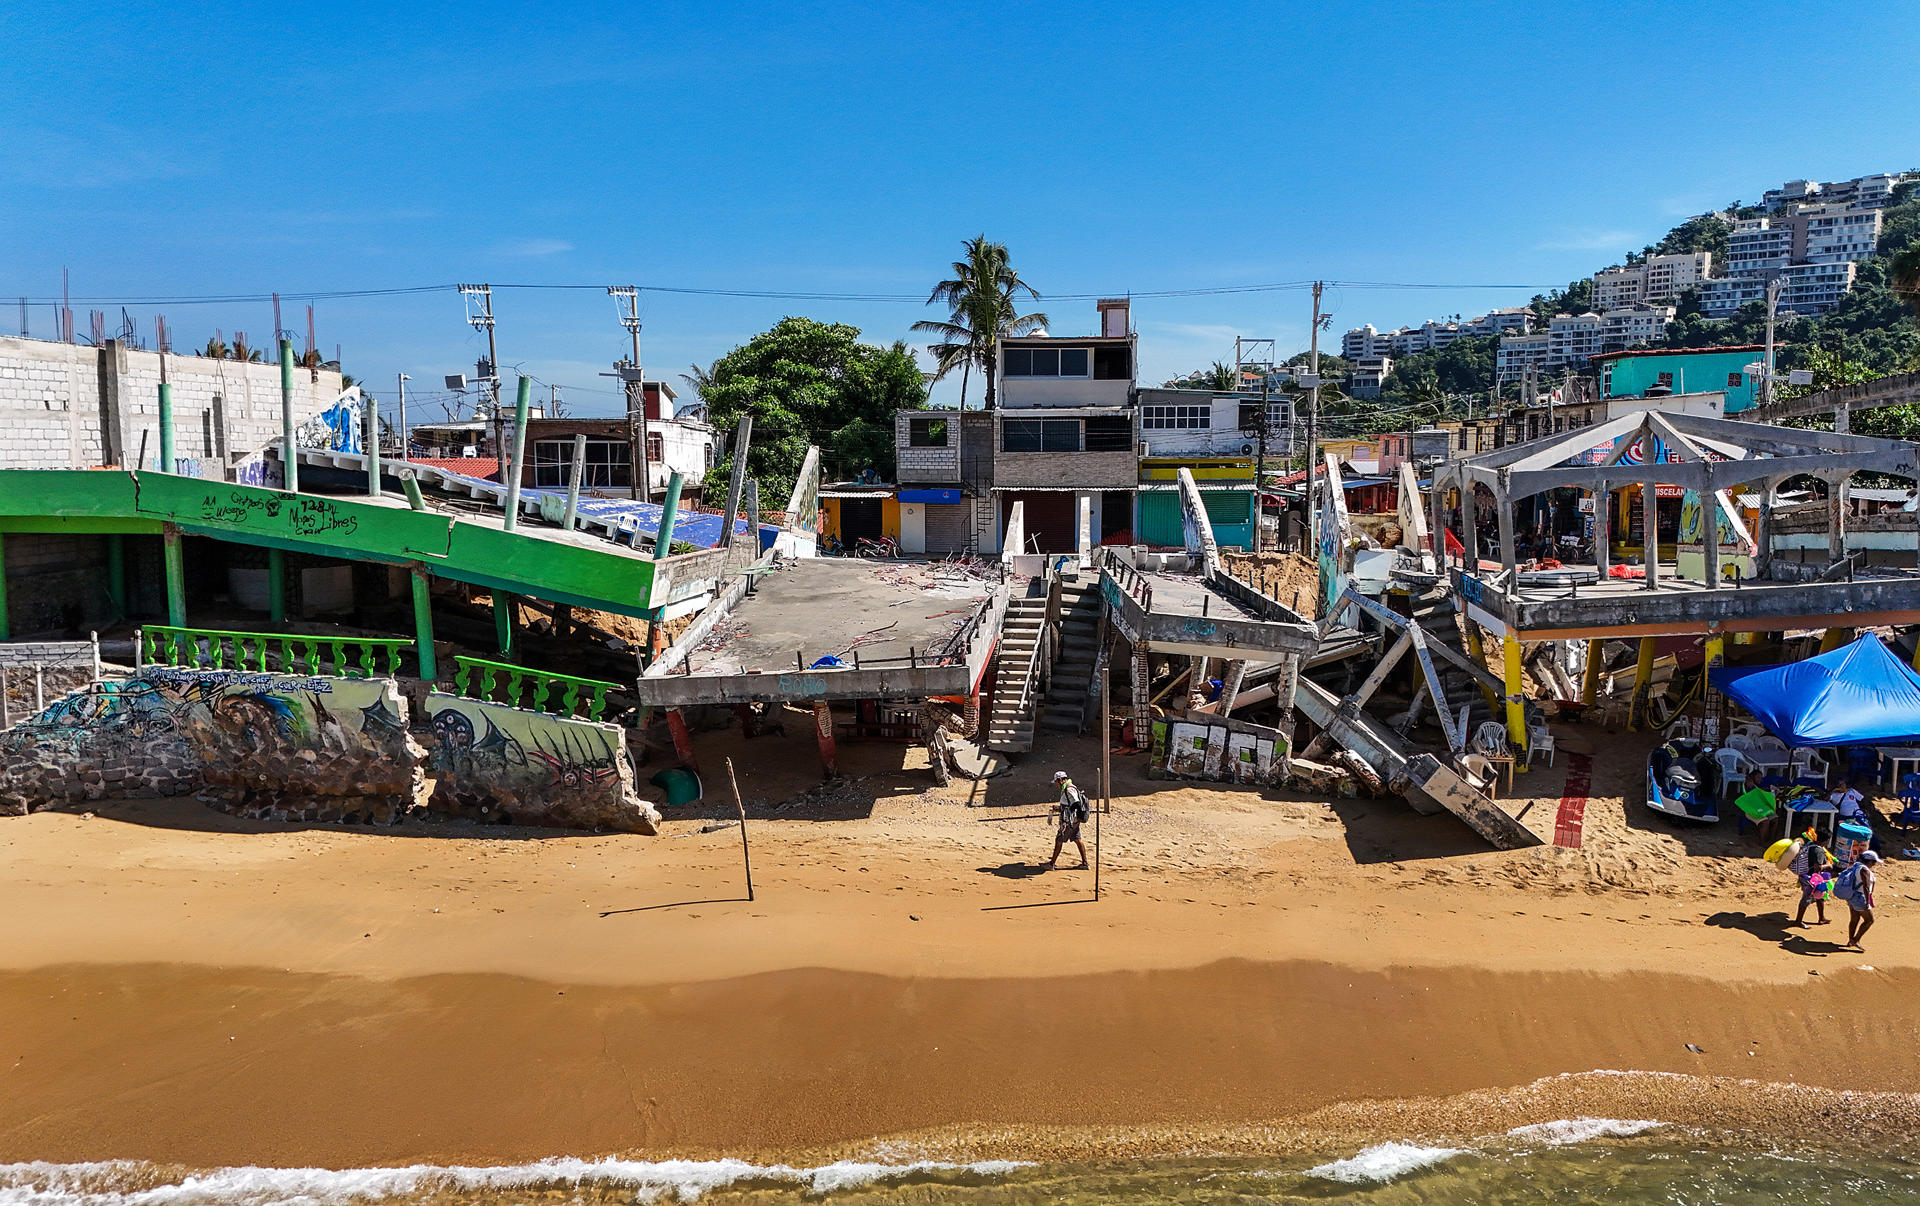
(1366, 341)
(1813, 248)
(1862, 192)
(1571, 340)
(1658, 278)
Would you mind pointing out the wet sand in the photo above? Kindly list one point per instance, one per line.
(182, 987)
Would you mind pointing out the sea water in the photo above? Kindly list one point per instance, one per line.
(1575, 1160)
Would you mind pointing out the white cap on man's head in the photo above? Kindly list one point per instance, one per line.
(1059, 776)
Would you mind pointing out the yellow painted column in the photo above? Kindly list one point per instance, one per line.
(1478, 649)
(1642, 679)
(1834, 638)
(1590, 687)
(1516, 694)
(1716, 704)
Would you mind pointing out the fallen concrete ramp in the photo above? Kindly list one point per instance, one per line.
(1428, 784)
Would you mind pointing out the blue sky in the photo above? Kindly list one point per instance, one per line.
(848, 149)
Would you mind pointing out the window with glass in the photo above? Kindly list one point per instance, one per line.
(609, 463)
(1177, 417)
(1040, 435)
(1046, 362)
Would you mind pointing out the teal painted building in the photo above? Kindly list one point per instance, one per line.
(1686, 370)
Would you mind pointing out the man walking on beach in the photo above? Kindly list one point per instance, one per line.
(1073, 810)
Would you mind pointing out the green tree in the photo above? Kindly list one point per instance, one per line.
(216, 348)
(984, 299)
(808, 382)
(1903, 271)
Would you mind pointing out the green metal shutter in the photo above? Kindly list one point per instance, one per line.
(1160, 525)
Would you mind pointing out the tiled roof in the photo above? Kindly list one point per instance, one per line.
(486, 468)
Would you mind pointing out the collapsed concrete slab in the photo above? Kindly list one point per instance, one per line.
(499, 763)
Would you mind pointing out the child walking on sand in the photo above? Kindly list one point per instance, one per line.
(1814, 867)
(1858, 882)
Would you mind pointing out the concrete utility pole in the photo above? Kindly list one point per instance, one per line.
(1773, 305)
(637, 433)
(482, 320)
(1313, 411)
(404, 429)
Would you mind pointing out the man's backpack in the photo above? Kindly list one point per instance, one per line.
(1074, 807)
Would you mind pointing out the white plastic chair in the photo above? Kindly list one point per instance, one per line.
(1808, 764)
(1733, 770)
(1767, 741)
(1479, 772)
(1740, 741)
(1540, 741)
(1490, 739)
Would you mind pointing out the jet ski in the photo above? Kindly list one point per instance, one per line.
(1681, 781)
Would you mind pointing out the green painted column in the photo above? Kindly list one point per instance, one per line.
(423, 625)
(520, 405)
(6, 628)
(166, 428)
(668, 511)
(176, 578)
(503, 620)
(117, 573)
(289, 458)
(277, 586)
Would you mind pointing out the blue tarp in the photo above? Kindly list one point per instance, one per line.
(1859, 694)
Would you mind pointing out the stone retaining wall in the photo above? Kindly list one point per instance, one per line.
(505, 764)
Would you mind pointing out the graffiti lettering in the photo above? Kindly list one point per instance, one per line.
(1197, 627)
(316, 517)
(802, 684)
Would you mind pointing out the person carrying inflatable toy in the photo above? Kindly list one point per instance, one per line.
(1814, 868)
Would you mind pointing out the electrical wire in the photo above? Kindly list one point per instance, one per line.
(755, 294)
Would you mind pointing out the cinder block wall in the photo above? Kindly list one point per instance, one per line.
(71, 406)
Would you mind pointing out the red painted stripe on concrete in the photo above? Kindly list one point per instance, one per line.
(1573, 802)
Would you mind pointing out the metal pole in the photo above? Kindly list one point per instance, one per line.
(423, 624)
(520, 406)
(573, 481)
(739, 806)
(289, 454)
(1313, 410)
(373, 448)
(404, 440)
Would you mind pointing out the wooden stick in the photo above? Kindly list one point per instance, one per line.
(1106, 779)
(746, 856)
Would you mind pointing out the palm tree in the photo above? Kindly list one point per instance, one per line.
(983, 298)
(216, 348)
(698, 379)
(1221, 379)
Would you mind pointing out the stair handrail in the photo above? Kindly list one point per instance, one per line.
(1029, 693)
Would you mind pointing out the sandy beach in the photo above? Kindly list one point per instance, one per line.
(181, 987)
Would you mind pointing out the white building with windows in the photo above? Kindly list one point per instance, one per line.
(1657, 278)
(1517, 352)
(1368, 376)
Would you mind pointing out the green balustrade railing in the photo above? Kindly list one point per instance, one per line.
(524, 687)
(213, 649)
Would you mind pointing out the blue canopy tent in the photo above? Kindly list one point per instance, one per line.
(1859, 694)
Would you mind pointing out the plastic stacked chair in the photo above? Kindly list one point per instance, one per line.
(1910, 802)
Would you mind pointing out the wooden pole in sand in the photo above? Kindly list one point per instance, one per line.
(1106, 779)
(746, 856)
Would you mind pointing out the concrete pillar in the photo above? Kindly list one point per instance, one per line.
(1503, 515)
(423, 625)
(176, 577)
(1602, 529)
(1716, 703)
(1836, 517)
(1469, 527)
(1642, 679)
(823, 732)
(1197, 683)
(1230, 684)
(503, 620)
(510, 519)
(116, 574)
(1590, 686)
(1516, 697)
(1650, 533)
(276, 586)
(166, 425)
(1763, 531)
(289, 454)
(1710, 529)
(1142, 692)
(1284, 690)
(682, 739)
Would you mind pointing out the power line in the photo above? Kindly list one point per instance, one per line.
(757, 294)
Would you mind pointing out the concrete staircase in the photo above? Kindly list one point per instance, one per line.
(1068, 699)
(1010, 723)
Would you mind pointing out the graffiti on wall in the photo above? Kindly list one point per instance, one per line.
(531, 767)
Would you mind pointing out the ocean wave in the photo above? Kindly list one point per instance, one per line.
(1383, 1162)
(128, 1183)
(1565, 1131)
